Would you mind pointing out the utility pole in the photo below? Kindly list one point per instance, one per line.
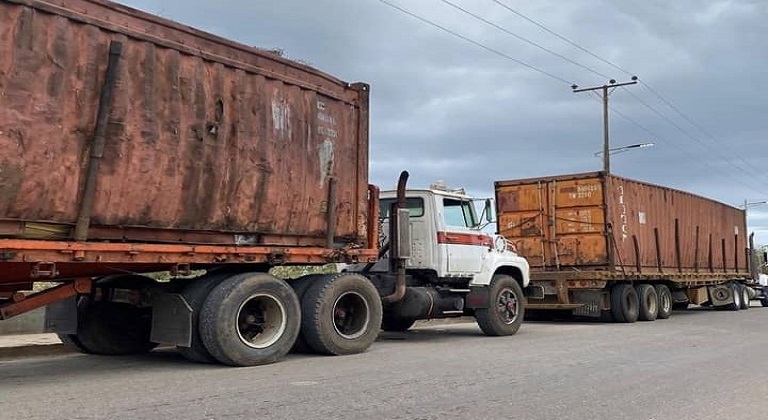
(606, 141)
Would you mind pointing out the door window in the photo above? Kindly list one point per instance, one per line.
(458, 213)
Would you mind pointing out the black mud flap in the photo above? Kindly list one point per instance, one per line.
(478, 298)
(534, 292)
(61, 316)
(171, 320)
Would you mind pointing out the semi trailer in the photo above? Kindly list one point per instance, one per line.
(604, 246)
(132, 145)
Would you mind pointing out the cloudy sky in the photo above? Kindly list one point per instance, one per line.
(444, 108)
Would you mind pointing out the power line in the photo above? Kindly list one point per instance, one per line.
(476, 43)
(521, 38)
(614, 65)
(689, 135)
(550, 31)
(683, 149)
(685, 117)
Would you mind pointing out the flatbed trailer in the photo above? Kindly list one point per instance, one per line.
(608, 247)
(132, 145)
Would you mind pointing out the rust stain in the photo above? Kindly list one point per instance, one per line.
(205, 134)
(588, 221)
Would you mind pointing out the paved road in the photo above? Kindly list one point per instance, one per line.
(699, 365)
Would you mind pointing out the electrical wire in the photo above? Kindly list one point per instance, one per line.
(686, 133)
(644, 84)
(684, 150)
(572, 43)
(521, 38)
(476, 43)
(691, 122)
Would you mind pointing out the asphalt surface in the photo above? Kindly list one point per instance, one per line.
(700, 364)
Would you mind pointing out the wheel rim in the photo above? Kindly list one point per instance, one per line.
(507, 306)
(261, 321)
(351, 315)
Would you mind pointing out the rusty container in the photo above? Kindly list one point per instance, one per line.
(203, 139)
(594, 221)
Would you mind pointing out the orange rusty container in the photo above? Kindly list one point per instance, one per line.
(205, 140)
(594, 221)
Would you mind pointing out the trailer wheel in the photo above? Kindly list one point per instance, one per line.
(300, 287)
(744, 296)
(665, 301)
(764, 301)
(736, 292)
(625, 305)
(73, 343)
(649, 302)
(341, 314)
(250, 319)
(391, 324)
(195, 294)
(507, 308)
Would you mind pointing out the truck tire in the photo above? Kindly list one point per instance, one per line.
(665, 301)
(764, 301)
(250, 319)
(625, 305)
(507, 309)
(736, 291)
(114, 328)
(391, 324)
(73, 343)
(195, 294)
(649, 302)
(300, 287)
(342, 314)
(744, 296)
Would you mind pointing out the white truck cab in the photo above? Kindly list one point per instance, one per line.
(447, 237)
(453, 267)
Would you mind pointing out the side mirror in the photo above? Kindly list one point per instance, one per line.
(487, 211)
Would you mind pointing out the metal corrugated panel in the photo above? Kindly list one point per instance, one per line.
(695, 234)
(593, 222)
(204, 135)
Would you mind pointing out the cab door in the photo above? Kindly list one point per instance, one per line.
(463, 245)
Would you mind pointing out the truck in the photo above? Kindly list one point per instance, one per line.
(131, 145)
(612, 248)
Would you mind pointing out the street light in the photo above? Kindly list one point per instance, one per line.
(622, 149)
(748, 204)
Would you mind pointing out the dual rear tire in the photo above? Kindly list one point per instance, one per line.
(643, 302)
(254, 318)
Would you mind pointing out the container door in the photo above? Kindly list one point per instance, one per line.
(522, 219)
(555, 223)
(578, 236)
